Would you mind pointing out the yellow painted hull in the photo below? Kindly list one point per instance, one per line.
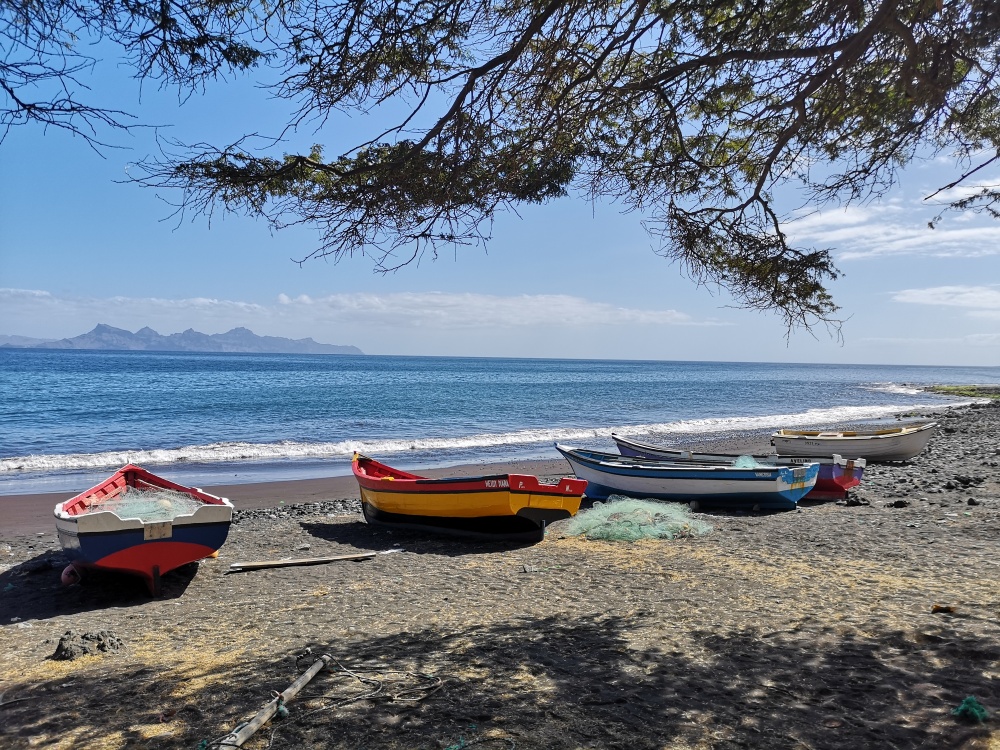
(498, 506)
(488, 503)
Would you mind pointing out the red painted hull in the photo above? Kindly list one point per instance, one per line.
(96, 537)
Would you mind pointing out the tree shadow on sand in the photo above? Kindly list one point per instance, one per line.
(548, 683)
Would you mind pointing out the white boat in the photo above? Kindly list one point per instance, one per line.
(753, 486)
(893, 444)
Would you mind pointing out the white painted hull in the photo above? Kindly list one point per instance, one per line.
(899, 445)
(765, 487)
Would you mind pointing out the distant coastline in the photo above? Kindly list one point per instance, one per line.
(238, 340)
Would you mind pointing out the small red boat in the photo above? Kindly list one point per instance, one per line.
(99, 529)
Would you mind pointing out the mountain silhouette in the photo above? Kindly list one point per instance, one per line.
(237, 340)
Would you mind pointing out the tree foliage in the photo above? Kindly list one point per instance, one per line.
(692, 113)
(44, 60)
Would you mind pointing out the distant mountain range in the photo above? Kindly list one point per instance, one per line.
(146, 339)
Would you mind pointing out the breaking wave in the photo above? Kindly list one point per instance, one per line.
(231, 452)
(898, 388)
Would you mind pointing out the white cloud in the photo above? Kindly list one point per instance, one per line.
(979, 302)
(968, 340)
(980, 298)
(23, 294)
(467, 310)
(983, 339)
(959, 192)
(41, 314)
(893, 229)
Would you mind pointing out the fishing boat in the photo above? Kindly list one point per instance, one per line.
(836, 475)
(498, 506)
(139, 523)
(893, 444)
(750, 486)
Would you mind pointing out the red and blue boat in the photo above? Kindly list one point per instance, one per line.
(98, 530)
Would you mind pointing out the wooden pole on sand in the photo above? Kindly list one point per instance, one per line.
(237, 567)
(237, 737)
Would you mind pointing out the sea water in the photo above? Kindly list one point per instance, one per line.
(70, 418)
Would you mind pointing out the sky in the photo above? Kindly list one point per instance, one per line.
(79, 246)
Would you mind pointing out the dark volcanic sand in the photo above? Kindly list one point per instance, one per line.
(834, 626)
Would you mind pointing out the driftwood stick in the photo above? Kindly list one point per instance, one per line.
(238, 737)
(237, 566)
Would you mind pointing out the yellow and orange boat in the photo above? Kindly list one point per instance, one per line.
(499, 506)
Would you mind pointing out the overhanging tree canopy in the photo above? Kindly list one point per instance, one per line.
(691, 112)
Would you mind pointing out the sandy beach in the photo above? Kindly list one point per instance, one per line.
(858, 624)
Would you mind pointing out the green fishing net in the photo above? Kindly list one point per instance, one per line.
(749, 462)
(623, 519)
(149, 505)
(971, 710)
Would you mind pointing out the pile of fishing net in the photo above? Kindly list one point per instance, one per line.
(750, 462)
(149, 505)
(623, 519)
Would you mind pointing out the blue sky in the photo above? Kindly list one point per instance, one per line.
(569, 279)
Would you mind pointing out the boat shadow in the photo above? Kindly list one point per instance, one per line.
(419, 541)
(820, 502)
(33, 589)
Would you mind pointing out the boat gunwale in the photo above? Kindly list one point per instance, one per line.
(851, 435)
(416, 484)
(130, 473)
(658, 468)
(788, 460)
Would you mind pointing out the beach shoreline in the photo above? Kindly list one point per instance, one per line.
(856, 624)
(31, 513)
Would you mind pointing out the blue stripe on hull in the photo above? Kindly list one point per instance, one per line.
(737, 501)
(773, 488)
(742, 475)
(95, 547)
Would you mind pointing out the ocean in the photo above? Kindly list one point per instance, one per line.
(70, 418)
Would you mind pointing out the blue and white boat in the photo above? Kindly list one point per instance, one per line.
(837, 474)
(750, 487)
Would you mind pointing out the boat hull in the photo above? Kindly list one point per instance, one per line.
(711, 486)
(836, 475)
(899, 444)
(101, 539)
(500, 506)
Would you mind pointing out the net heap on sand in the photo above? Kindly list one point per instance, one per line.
(148, 505)
(623, 519)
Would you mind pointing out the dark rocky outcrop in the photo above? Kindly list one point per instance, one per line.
(73, 645)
